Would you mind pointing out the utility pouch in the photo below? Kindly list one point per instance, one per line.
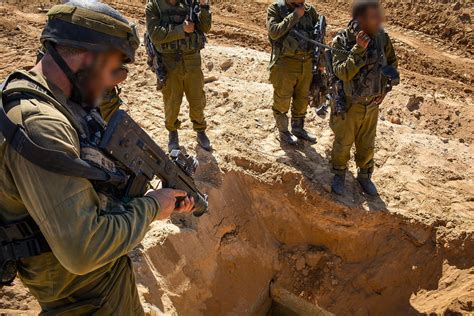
(19, 240)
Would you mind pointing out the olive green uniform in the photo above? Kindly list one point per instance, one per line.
(181, 57)
(88, 270)
(363, 85)
(292, 59)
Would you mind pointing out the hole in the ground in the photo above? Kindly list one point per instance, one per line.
(267, 251)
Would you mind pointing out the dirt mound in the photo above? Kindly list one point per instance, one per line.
(450, 21)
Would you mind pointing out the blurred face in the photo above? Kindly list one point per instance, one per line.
(173, 2)
(371, 22)
(296, 3)
(99, 74)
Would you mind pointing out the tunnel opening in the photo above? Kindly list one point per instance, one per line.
(284, 248)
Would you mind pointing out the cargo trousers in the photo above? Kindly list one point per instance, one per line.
(359, 127)
(116, 295)
(185, 77)
(291, 79)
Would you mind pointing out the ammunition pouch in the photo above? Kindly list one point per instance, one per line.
(192, 43)
(19, 240)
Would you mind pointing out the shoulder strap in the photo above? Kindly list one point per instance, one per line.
(51, 160)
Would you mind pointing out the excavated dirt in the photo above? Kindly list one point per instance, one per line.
(276, 238)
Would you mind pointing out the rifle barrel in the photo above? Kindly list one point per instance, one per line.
(305, 38)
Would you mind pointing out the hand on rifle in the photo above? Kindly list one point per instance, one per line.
(189, 26)
(167, 199)
(363, 39)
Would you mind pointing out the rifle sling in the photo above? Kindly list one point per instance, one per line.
(51, 160)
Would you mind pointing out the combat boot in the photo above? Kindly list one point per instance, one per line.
(364, 178)
(338, 182)
(297, 128)
(173, 141)
(282, 125)
(204, 141)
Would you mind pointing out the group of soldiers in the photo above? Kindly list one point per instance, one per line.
(365, 64)
(68, 243)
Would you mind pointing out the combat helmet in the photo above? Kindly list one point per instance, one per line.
(89, 25)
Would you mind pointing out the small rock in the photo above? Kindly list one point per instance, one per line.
(414, 103)
(225, 94)
(395, 120)
(327, 188)
(445, 140)
(210, 66)
(227, 64)
(417, 114)
(210, 79)
(313, 258)
(300, 264)
(450, 225)
(457, 6)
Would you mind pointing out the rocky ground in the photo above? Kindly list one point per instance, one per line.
(274, 226)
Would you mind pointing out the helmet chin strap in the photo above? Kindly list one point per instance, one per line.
(76, 93)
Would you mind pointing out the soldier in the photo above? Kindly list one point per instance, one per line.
(71, 235)
(291, 65)
(176, 29)
(365, 86)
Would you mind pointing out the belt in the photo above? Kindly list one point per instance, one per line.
(300, 58)
(366, 101)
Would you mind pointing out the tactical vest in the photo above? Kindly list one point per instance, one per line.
(173, 16)
(289, 45)
(24, 239)
(369, 81)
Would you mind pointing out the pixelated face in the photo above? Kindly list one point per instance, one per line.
(372, 20)
(296, 3)
(172, 2)
(99, 74)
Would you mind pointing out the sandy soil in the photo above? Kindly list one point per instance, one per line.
(273, 219)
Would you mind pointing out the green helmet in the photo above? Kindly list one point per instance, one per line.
(90, 25)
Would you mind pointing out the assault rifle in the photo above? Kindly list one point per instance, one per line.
(128, 143)
(336, 93)
(193, 16)
(319, 87)
(155, 62)
(194, 10)
(336, 88)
